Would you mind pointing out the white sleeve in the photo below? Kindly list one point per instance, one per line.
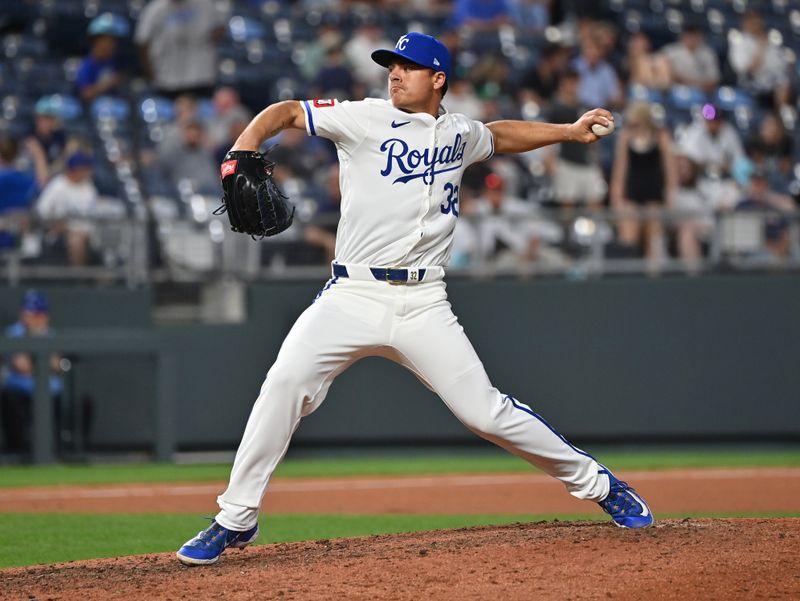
(480, 143)
(144, 27)
(345, 123)
(740, 56)
(47, 204)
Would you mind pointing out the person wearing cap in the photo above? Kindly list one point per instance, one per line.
(46, 143)
(67, 204)
(401, 163)
(17, 374)
(99, 73)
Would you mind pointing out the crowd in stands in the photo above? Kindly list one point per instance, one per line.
(114, 108)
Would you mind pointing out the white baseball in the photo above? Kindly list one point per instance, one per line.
(603, 130)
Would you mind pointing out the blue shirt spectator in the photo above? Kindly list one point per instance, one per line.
(599, 85)
(17, 188)
(466, 12)
(34, 320)
(100, 73)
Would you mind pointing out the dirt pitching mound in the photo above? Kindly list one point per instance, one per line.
(687, 559)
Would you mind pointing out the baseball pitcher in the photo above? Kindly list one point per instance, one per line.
(401, 160)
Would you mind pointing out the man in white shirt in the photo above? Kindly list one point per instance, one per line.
(692, 62)
(177, 45)
(759, 63)
(401, 164)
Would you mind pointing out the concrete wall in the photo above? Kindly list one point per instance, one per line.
(617, 359)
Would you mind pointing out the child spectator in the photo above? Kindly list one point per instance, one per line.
(99, 73)
(68, 203)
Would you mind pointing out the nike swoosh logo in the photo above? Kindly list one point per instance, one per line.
(645, 508)
(401, 124)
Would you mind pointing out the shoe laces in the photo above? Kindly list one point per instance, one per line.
(213, 536)
(618, 502)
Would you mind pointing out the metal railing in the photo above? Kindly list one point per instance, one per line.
(569, 243)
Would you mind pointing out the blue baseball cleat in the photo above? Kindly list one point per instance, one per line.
(624, 505)
(208, 545)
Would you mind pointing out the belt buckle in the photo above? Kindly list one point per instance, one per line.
(394, 282)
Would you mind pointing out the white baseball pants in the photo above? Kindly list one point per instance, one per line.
(414, 326)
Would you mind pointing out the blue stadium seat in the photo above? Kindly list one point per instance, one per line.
(685, 97)
(729, 98)
(155, 109)
(110, 108)
(244, 29)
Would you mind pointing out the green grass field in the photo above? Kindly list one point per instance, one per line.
(15, 476)
(70, 537)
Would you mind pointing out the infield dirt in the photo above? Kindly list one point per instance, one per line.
(728, 559)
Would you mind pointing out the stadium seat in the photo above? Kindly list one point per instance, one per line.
(155, 109)
(244, 29)
(685, 97)
(107, 108)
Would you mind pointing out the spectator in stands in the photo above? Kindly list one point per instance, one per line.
(322, 233)
(100, 73)
(643, 177)
(334, 79)
(68, 204)
(302, 154)
(18, 382)
(492, 79)
(530, 17)
(177, 42)
(357, 51)
(759, 63)
(760, 197)
(692, 62)
(508, 230)
(328, 36)
(575, 169)
(18, 190)
(772, 149)
(644, 67)
(480, 15)
(539, 83)
(228, 111)
(695, 210)
(188, 159)
(48, 139)
(461, 98)
(599, 84)
(713, 143)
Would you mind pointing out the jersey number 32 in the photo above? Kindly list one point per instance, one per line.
(450, 205)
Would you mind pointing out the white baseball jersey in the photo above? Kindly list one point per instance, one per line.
(400, 177)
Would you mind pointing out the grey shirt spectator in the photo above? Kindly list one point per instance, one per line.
(177, 40)
(188, 158)
(692, 62)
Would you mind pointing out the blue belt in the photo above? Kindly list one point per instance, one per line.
(393, 275)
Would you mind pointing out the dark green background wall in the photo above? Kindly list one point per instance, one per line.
(622, 359)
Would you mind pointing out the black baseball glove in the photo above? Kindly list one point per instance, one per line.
(253, 201)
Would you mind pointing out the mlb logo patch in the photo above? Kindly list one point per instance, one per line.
(228, 168)
(323, 103)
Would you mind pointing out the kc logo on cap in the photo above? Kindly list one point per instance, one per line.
(418, 48)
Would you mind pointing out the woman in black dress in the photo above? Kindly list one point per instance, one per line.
(643, 178)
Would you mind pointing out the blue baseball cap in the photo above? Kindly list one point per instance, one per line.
(78, 159)
(35, 302)
(418, 48)
(109, 24)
